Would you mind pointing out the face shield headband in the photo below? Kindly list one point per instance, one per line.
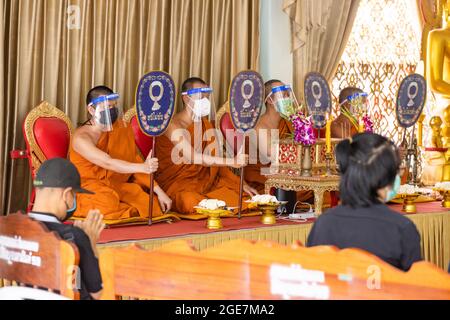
(106, 111)
(201, 102)
(284, 100)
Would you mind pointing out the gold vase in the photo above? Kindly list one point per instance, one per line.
(306, 162)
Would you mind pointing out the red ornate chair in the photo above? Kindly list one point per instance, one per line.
(224, 124)
(143, 142)
(47, 132)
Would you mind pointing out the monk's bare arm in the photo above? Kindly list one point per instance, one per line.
(182, 143)
(264, 141)
(83, 144)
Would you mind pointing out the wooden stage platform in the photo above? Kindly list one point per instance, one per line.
(432, 221)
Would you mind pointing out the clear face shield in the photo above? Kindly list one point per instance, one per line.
(107, 111)
(284, 100)
(200, 102)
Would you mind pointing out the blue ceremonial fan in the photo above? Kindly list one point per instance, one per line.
(155, 105)
(411, 99)
(155, 102)
(246, 97)
(318, 98)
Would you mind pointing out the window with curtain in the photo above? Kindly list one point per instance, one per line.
(383, 48)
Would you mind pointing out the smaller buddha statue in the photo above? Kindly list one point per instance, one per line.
(434, 159)
(435, 125)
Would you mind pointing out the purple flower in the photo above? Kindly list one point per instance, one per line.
(303, 130)
(368, 124)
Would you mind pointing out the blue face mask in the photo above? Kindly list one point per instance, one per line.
(393, 192)
(71, 211)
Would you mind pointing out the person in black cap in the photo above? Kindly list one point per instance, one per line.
(56, 182)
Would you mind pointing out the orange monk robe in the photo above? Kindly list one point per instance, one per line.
(188, 184)
(117, 195)
(253, 174)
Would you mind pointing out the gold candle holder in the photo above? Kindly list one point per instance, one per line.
(328, 158)
(408, 203)
(268, 216)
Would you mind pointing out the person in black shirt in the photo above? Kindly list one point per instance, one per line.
(369, 166)
(56, 183)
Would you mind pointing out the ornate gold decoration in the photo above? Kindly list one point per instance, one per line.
(224, 109)
(318, 184)
(43, 110)
(129, 114)
(290, 157)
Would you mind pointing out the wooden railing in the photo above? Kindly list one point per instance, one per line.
(244, 270)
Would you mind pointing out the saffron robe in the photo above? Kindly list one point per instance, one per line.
(187, 184)
(117, 195)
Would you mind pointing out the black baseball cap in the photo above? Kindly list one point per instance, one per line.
(59, 173)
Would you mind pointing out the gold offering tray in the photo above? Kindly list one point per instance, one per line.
(445, 193)
(214, 222)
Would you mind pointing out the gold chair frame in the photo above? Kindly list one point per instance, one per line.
(43, 110)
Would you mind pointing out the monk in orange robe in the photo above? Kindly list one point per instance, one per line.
(105, 154)
(270, 120)
(188, 172)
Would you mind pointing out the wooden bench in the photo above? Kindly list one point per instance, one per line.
(245, 270)
(30, 255)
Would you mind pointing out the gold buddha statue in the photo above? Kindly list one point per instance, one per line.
(438, 77)
(438, 58)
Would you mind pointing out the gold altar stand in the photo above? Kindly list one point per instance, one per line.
(318, 184)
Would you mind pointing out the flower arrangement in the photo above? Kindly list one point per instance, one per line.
(303, 129)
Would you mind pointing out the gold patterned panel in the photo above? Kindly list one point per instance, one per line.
(290, 156)
(43, 110)
(383, 48)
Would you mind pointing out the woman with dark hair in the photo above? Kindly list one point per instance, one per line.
(369, 166)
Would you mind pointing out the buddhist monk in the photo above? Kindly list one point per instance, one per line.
(105, 154)
(342, 127)
(273, 118)
(191, 169)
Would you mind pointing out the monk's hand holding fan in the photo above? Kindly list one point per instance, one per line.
(151, 163)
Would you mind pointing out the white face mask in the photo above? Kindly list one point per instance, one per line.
(202, 108)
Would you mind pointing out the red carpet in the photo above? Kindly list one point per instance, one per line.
(180, 228)
(185, 227)
(427, 207)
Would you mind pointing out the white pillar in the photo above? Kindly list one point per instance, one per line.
(275, 30)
